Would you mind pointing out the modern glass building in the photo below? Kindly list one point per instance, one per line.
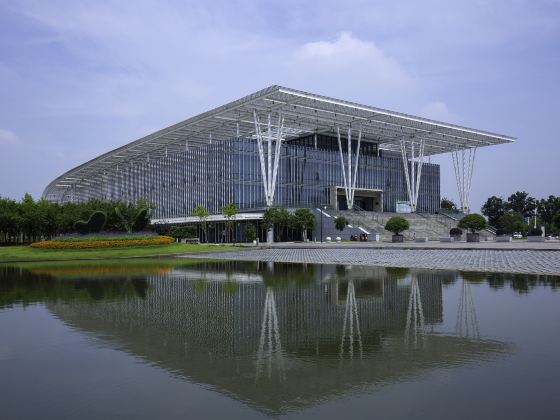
(282, 147)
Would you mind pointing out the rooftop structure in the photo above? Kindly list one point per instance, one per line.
(277, 115)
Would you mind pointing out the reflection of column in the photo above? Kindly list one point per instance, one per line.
(415, 313)
(270, 346)
(350, 318)
(467, 323)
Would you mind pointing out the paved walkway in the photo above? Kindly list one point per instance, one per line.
(518, 245)
(488, 260)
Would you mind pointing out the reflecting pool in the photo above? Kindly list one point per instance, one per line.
(189, 339)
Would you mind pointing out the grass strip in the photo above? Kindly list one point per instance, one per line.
(26, 253)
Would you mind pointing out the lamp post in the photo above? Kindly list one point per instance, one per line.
(535, 215)
(321, 210)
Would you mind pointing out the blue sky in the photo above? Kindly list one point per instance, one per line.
(78, 78)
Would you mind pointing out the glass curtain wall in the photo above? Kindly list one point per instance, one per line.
(229, 172)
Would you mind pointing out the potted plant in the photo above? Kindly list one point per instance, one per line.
(456, 233)
(535, 235)
(397, 224)
(473, 223)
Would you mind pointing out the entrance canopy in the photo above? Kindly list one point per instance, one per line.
(303, 113)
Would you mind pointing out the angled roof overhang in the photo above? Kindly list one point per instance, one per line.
(304, 113)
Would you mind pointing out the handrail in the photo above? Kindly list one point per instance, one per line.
(452, 214)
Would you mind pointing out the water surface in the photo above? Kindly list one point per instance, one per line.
(189, 339)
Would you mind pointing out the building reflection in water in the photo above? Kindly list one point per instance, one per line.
(270, 346)
(414, 314)
(467, 323)
(351, 322)
(283, 336)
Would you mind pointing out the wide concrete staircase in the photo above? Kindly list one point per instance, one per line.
(327, 219)
(426, 225)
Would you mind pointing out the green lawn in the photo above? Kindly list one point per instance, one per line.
(26, 253)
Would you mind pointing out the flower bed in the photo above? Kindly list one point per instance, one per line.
(108, 242)
(109, 236)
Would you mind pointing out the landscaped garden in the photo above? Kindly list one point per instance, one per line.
(95, 229)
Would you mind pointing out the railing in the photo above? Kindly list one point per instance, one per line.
(452, 214)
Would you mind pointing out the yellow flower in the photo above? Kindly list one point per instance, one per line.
(108, 243)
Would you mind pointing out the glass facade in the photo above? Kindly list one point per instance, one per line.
(229, 172)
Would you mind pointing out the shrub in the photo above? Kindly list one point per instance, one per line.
(535, 231)
(455, 231)
(142, 220)
(97, 221)
(397, 224)
(81, 227)
(112, 236)
(340, 223)
(250, 232)
(94, 224)
(182, 232)
(473, 222)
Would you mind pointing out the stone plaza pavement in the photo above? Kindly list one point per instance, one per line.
(527, 261)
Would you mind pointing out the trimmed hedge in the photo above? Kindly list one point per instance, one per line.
(105, 237)
(93, 225)
(103, 243)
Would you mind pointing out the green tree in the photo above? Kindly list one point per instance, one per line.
(447, 204)
(277, 219)
(494, 208)
(397, 224)
(555, 225)
(304, 221)
(31, 218)
(340, 223)
(521, 202)
(10, 220)
(230, 211)
(202, 213)
(250, 232)
(473, 222)
(547, 210)
(132, 216)
(511, 222)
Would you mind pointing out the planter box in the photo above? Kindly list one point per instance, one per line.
(421, 239)
(473, 237)
(535, 238)
(397, 238)
(456, 238)
(504, 238)
(446, 239)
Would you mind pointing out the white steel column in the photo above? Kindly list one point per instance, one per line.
(413, 175)
(270, 164)
(349, 176)
(463, 164)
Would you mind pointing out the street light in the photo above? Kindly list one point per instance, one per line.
(321, 211)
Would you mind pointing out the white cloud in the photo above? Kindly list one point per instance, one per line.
(353, 62)
(8, 137)
(438, 110)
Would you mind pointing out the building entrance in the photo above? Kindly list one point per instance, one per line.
(365, 199)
